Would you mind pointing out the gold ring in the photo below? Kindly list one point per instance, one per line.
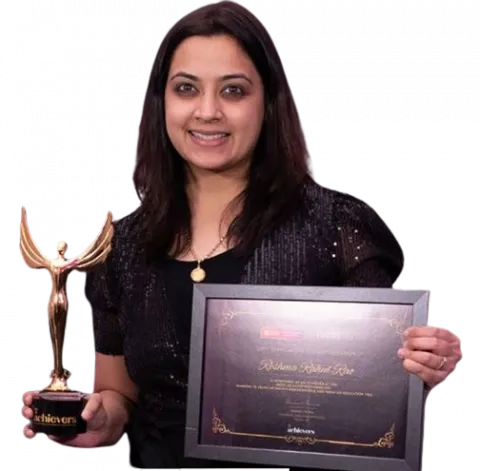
(442, 364)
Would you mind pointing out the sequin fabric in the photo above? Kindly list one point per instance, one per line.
(341, 241)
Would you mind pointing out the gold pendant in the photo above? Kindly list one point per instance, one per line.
(198, 274)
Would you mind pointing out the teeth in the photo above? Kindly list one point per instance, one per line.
(209, 137)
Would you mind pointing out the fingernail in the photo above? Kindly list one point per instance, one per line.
(85, 416)
(401, 353)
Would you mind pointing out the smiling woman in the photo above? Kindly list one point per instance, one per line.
(214, 105)
(226, 196)
(233, 156)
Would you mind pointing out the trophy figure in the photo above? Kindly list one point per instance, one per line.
(57, 409)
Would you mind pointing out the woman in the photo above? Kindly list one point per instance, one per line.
(226, 197)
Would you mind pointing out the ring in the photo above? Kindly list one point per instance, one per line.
(442, 364)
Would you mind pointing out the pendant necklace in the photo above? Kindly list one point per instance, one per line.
(198, 274)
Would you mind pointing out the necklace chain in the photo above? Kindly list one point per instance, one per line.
(198, 259)
(198, 274)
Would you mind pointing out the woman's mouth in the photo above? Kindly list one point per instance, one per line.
(210, 138)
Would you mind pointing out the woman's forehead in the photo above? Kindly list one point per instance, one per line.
(211, 57)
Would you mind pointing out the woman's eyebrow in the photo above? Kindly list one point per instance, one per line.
(194, 78)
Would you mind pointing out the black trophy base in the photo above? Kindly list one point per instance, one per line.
(59, 413)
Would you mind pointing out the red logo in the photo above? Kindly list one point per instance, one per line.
(277, 333)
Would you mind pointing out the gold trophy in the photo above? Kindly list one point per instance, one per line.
(57, 409)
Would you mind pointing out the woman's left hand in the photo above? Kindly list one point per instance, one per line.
(431, 353)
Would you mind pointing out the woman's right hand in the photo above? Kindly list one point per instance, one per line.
(94, 414)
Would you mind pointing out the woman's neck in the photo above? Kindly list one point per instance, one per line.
(207, 189)
(210, 196)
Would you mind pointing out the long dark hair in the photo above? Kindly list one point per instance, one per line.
(280, 162)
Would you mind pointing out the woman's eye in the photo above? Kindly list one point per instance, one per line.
(184, 88)
(229, 91)
(234, 90)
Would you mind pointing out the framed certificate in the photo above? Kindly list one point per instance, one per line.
(304, 377)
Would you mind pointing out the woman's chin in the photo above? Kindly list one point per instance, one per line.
(212, 164)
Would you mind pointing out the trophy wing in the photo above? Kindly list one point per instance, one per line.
(30, 252)
(99, 249)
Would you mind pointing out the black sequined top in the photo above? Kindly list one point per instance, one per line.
(142, 310)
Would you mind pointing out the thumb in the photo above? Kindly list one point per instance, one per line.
(94, 413)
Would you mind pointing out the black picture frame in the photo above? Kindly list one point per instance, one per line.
(202, 293)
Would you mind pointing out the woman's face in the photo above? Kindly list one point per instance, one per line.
(214, 104)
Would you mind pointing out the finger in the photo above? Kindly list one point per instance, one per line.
(430, 360)
(428, 331)
(71, 441)
(430, 344)
(94, 413)
(427, 375)
(27, 412)
(60, 439)
(74, 441)
(29, 396)
(82, 441)
(98, 420)
(94, 403)
(28, 432)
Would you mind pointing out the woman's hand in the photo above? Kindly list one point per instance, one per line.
(94, 414)
(430, 353)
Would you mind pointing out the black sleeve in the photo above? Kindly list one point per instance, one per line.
(101, 290)
(368, 253)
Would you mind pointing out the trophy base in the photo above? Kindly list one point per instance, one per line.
(59, 413)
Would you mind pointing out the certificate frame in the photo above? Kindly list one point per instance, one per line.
(202, 293)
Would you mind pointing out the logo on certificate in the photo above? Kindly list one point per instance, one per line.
(277, 333)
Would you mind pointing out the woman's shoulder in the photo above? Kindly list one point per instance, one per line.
(321, 199)
(127, 228)
(339, 208)
(105, 282)
(125, 240)
(355, 228)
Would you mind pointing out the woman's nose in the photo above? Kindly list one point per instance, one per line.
(208, 108)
